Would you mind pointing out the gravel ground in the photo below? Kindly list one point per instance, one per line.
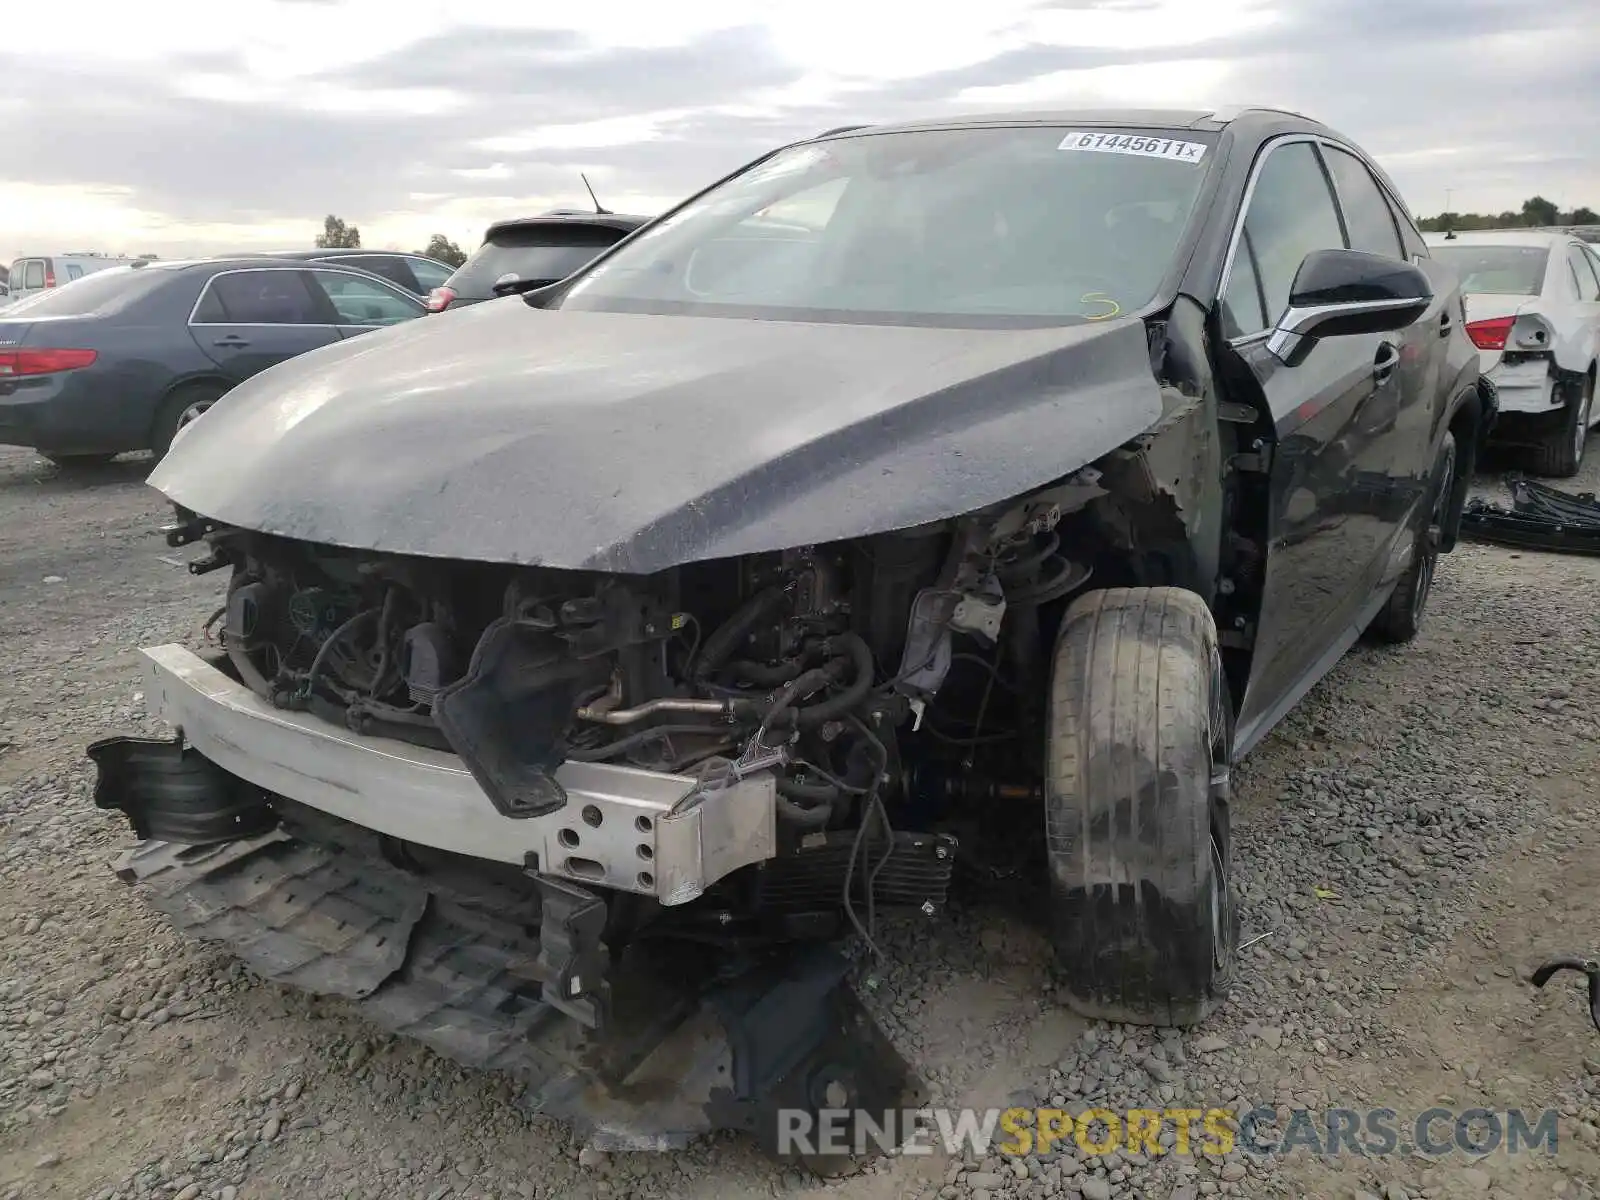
(1411, 839)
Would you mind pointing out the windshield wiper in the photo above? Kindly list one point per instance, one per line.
(518, 287)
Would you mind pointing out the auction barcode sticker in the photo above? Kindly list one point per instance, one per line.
(1147, 145)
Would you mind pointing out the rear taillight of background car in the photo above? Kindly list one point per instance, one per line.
(1492, 333)
(439, 299)
(49, 277)
(42, 362)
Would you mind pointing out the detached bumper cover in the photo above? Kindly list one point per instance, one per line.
(312, 917)
(1540, 518)
(458, 974)
(622, 828)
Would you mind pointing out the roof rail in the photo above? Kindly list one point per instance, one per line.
(1228, 113)
(838, 129)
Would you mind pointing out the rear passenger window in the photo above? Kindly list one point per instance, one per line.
(1366, 213)
(260, 298)
(389, 267)
(1291, 214)
(429, 273)
(1409, 234)
(74, 271)
(33, 277)
(1583, 268)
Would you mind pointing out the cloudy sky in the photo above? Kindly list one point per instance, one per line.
(175, 126)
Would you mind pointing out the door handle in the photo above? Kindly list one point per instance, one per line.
(1445, 324)
(1384, 364)
(233, 341)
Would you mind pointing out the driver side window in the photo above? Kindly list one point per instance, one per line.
(1291, 214)
(359, 301)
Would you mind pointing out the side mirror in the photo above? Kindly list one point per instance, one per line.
(1337, 293)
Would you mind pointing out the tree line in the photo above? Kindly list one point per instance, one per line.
(337, 234)
(1535, 211)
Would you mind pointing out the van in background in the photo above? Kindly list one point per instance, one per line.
(40, 272)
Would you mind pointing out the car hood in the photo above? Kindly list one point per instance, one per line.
(623, 442)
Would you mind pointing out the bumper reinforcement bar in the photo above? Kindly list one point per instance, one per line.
(622, 828)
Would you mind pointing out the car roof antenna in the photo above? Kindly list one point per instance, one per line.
(597, 207)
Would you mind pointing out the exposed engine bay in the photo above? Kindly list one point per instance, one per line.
(878, 682)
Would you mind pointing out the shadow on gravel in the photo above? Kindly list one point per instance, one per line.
(40, 474)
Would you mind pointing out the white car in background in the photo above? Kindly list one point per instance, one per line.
(1533, 311)
(37, 273)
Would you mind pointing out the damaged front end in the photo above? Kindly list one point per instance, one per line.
(602, 821)
(598, 830)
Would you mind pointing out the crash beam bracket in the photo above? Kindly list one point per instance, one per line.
(572, 956)
(1258, 459)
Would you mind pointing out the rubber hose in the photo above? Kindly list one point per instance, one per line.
(860, 656)
(820, 792)
(811, 651)
(764, 676)
(797, 814)
(803, 685)
(732, 632)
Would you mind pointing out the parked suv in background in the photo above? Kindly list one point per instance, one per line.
(41, 272)
(531, 252)
(417, 273)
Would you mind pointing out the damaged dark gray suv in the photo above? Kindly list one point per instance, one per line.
(594, 660)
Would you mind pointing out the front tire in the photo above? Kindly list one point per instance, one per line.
(1145, 922)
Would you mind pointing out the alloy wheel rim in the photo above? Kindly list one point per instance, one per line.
(193, 412)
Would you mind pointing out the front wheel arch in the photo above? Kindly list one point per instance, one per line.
(164, 424)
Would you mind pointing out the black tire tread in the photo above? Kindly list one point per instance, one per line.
(1130, 707)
